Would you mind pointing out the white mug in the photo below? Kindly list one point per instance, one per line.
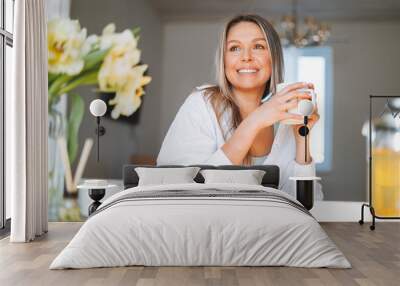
(303, 107)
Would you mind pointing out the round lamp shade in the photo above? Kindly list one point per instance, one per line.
(98, 107)
(305, 107)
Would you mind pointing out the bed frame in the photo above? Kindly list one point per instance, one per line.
(270, 179)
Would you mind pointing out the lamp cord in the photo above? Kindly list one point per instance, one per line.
(98, 138)
(305, 138)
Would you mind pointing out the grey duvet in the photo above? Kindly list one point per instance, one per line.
(201, 224)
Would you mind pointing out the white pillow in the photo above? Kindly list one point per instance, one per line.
(248, 177)
(162, 176)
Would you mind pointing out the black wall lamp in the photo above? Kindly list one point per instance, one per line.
(98, 108)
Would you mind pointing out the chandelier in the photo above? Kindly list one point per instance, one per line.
(309, 33)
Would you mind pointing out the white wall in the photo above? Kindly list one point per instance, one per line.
(366, 60)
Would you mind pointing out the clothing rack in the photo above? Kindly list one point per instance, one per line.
(370, 204)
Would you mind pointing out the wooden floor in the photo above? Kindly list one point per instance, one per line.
(374, 255)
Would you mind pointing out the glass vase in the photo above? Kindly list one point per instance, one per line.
(57, 125)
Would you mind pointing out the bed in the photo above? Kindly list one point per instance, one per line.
(198, 224)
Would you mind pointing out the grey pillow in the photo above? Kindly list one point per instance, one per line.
(248, 177)
(162, 176)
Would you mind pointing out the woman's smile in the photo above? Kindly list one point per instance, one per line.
(248, 71)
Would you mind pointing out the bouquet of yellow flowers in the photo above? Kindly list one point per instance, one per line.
(109, 61)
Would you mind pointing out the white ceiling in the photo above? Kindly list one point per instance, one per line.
(329, 10)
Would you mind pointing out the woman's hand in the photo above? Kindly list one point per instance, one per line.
(276, 108)
(265, 115)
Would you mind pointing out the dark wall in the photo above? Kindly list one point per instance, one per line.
(123, 139)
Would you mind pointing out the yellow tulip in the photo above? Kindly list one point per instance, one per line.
(66, 46)
(120, 73)
(127, 101)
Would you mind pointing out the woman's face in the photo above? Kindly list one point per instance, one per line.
(247, 58)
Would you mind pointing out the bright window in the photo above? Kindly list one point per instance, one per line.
(6, 60)
(315, 65)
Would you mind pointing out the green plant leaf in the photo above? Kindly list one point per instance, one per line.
(136, 32)
(57, 83)
(52, 77)
(88, 78)
(94, 59)
(77, 107)
(54, 87)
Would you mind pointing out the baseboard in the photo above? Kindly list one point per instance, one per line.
(330, 211)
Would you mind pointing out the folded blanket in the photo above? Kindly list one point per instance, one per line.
(206, 194)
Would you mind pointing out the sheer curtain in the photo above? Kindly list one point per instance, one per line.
(26, 124)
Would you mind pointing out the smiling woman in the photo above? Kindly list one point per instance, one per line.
(228, 123)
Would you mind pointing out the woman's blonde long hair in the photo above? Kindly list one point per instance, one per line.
(221, 96)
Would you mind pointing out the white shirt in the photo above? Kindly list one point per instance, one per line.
(195, 137)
